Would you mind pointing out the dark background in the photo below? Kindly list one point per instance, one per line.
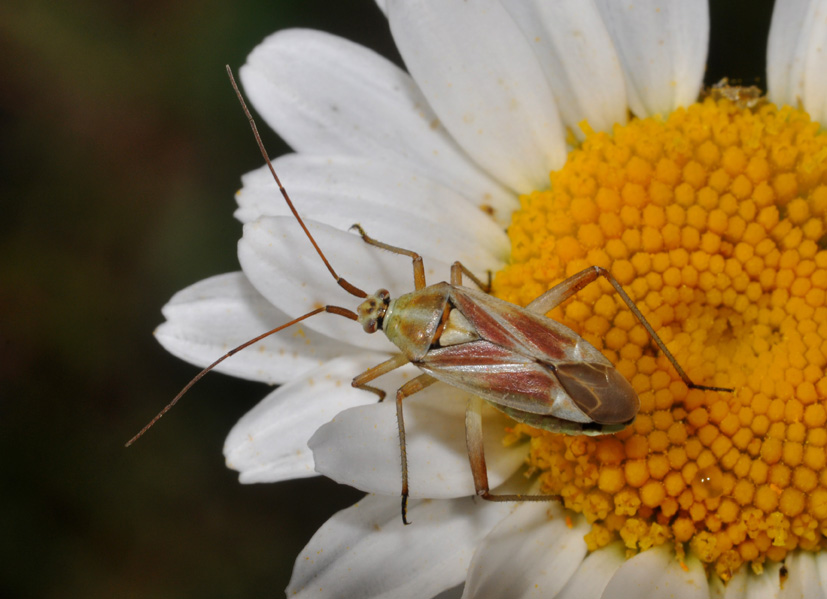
(121, 145)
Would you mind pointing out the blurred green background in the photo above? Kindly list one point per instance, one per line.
(122, 145)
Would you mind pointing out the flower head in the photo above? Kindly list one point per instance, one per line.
(711, 215)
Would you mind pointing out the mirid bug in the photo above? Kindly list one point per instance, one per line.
(532, 368)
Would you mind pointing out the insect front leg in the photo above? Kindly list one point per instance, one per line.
(418, 266)
(563, 291)
(476, 455)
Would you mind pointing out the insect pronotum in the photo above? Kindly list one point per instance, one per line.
(534, 369)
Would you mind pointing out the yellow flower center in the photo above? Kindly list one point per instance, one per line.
(714, 221)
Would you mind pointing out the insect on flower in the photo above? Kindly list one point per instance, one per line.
(532, 368)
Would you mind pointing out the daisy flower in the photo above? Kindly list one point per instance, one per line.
(575, 126)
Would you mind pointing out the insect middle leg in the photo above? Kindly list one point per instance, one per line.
(564, 290)
(458, 269)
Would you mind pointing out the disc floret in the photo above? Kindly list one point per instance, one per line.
(714, 220)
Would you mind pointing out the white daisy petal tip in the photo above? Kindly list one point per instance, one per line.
(269, 443)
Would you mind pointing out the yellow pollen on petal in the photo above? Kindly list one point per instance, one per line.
(714, 220)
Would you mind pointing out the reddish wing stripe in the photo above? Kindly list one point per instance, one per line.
(516, 328)
(495, 374)
(483, 353)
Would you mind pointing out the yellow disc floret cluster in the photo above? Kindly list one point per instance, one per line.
(713, 220)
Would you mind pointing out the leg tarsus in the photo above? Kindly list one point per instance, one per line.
(405, 520)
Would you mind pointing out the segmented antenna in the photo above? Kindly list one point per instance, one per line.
(350, 288)
(344, 284)
(331, 309)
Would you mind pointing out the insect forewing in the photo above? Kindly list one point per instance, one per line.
(512, 364)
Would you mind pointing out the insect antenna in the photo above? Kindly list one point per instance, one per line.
(331, 309)
(347, 286)
(344, 284)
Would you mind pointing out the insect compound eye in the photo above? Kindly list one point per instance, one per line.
(372, 310)
(600, 391)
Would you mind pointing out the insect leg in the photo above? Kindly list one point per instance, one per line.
(413, 386)
(562, 291)
(458, 269)
(476, 455)
(418, 266)
(377, 371)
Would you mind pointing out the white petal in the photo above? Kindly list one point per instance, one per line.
(269, 443)
(735, 588)
(280, 262)
(326, 95)
(483, 81)
(361, 446)
(390, 203)
(821, 563)
(578, 58)
(796, 61)
(657, 573)
(662, 45)
(803, 579)
(531, 553)
(786, 50)
(366, 552)
(595, 572)
(766, 585)
(206, 320)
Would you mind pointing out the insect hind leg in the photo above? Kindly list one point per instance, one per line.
(476, 455)
(564, 290)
